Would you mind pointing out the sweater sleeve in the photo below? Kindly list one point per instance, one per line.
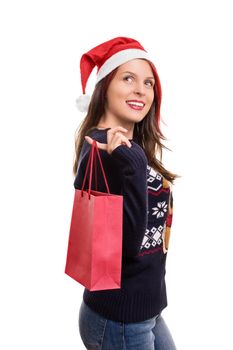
(132, 164)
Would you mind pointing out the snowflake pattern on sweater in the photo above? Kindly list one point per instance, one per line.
(160, 205)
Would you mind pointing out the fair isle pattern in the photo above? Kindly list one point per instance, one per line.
(160, 205)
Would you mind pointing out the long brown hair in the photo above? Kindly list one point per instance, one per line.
(147, 132)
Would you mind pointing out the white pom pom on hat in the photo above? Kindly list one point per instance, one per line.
(82, 102)
(107, 56)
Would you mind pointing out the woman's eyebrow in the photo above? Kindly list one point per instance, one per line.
(136, 75)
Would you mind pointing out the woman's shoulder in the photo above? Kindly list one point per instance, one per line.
(94, 131)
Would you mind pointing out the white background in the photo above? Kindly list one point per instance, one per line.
(41, 45)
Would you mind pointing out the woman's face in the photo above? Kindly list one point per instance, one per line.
(131, 92)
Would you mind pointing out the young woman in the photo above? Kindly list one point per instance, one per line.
(124, 118)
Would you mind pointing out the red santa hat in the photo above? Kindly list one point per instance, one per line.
(106, 57)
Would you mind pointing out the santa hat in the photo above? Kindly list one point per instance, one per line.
(107, 56)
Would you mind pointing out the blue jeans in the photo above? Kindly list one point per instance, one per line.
(99, 333)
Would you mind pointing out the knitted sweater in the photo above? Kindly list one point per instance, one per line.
(147, 219)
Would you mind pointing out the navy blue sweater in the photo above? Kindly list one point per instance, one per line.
(147, 213)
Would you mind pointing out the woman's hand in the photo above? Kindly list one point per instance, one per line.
(115, 138)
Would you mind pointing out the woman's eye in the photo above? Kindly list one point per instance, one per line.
(128, 78)
(149, 82)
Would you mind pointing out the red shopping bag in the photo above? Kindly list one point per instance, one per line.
(94, 254)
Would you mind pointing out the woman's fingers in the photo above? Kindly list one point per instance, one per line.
(119, 139)
(99, 144)
(115, 138)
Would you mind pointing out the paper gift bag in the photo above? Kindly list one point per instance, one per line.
(94, 254)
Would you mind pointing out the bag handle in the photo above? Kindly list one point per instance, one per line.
(94, 148)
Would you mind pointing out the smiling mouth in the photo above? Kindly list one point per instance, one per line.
(135, 105)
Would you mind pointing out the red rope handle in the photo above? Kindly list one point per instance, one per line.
(94, 148)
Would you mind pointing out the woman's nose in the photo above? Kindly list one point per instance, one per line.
(140, 89)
